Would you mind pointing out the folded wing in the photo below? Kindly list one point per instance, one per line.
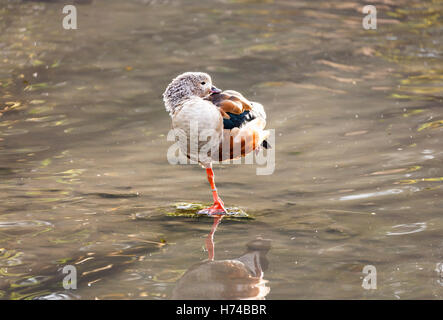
(238, 142)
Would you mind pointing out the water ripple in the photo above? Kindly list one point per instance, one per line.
(370, 194)
(402, 229)
(24, 223)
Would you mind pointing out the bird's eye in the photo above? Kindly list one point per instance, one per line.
(203, 83)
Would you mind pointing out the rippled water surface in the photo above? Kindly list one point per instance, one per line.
(84, 179)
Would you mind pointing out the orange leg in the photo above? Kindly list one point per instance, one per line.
(218, 207)
(210, 238)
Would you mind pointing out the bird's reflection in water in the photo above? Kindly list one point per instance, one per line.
(239, 278)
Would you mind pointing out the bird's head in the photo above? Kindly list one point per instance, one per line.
(185, 86)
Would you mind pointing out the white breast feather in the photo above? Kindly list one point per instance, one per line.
(197, 111)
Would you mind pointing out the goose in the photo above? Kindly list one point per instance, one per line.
(200, 129)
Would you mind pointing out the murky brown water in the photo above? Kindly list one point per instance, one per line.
(84, 178)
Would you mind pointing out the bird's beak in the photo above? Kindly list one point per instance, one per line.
(215, 90)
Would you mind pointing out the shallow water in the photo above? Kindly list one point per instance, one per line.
(84, 178)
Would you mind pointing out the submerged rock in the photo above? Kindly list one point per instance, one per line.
(191, 210)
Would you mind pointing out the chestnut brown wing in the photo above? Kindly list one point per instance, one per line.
(238, 97)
